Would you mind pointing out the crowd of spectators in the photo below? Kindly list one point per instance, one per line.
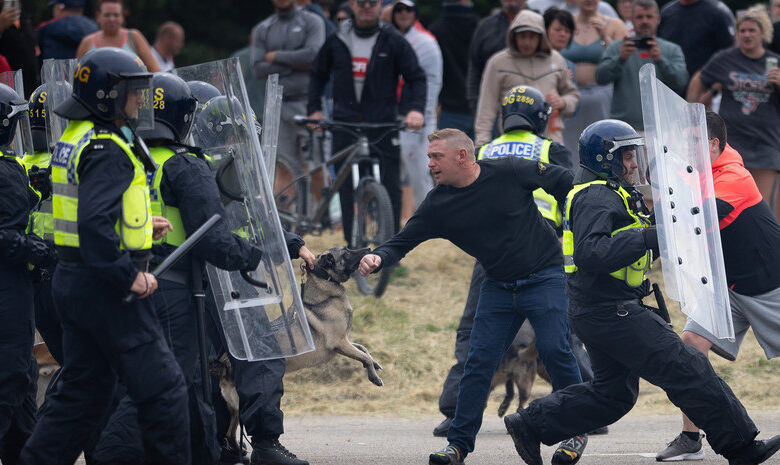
(584, 55)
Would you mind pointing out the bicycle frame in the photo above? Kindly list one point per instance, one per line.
(353, 155)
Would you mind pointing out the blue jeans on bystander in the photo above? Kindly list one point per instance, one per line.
(502, 308)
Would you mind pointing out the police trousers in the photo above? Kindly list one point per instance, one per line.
(102, 339)
(18, 370)
(259, 386)
(625, 342)
(121, 441)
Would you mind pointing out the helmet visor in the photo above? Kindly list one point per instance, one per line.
(16, 119)
(632, 157)
(134, 101)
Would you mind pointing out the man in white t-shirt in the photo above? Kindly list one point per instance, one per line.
(167, 44)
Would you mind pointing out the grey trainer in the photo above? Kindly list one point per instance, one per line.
(681, 448)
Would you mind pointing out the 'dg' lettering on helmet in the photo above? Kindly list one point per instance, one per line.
(601, 146)
(174, 109)
(12, 109)
(220, 120)
(102, 81)
(524, 107)
(39, 116)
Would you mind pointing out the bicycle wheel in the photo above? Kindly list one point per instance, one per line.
(375, 225)
(290, 200)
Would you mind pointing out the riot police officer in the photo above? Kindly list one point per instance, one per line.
(609, 245)
(221, 122)
(41, 220)
(524, 117)
(103, 230)
(18, 250)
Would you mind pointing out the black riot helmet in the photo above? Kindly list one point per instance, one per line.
(203, 91)
(104, 80)
(39, 116)
(12, 109)
(174, 109)
(220, 122)
(610, 147)
(524, 107)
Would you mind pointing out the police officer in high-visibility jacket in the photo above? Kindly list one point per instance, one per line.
(18, 250)
(42, 221)
(184, 191)
(609, 245)
(524, 117)
(103, 230)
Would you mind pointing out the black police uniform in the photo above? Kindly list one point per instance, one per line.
(103, 338)
(18, 372)
(627, 341)
(188, 184)
(259, 384)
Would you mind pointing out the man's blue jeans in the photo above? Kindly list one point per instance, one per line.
(502, 308)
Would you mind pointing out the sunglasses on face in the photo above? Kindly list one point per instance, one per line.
(403, 9)
(363, 3)
(341, 18)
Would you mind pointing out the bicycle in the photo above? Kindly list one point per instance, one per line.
(373, 222)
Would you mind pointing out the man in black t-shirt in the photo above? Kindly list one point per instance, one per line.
(699, 27)
(487, 209)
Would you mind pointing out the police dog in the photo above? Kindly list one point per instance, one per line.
(519, 367)
(329, 312)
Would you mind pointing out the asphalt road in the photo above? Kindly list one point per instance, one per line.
(335, 440)
(393, 441)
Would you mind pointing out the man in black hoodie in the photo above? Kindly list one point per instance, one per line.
(453, 30)
(364, 59)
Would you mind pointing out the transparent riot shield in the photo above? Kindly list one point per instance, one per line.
(684, 202)
(271, 117)
(261, 310)
(22, 142)
(57, 75)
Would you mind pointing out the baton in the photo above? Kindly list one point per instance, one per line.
(663, 312)
(180, 251)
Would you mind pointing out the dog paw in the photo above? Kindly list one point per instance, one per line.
(376, 380)
(378, 366)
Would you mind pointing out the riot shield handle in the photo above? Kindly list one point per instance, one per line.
(253, 281)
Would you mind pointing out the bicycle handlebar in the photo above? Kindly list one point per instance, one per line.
(301, 120)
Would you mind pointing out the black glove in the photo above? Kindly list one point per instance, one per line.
(23, 248)
(254, 259)
(650, 235)
(40, 180)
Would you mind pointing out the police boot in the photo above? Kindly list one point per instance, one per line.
(527, 445)
(272, 452)
(755, 453)
(232, 454)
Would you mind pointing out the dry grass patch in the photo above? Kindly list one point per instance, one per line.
(410, 331)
